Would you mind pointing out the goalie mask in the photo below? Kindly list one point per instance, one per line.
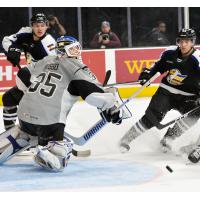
(68, 45)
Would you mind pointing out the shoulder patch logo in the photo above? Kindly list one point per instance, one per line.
(175, 77)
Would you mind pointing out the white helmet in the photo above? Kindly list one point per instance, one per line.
(68, 45)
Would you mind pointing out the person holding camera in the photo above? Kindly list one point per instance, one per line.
(105, 38)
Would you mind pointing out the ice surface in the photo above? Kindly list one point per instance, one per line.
(142, 169)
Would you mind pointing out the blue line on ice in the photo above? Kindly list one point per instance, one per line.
(24, 176)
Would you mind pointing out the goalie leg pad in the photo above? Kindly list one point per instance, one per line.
(55, 155)
(8, 137)
(14, 148)
(4, 140)
(14, 141)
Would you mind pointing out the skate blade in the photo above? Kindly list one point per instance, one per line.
(124, 148)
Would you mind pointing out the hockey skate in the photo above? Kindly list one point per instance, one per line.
(127, 139)
(170, 136)
(166, 141)
(194, 156)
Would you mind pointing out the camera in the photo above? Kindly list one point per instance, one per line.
(105, 36)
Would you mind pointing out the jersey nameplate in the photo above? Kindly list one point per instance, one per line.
(53, 66)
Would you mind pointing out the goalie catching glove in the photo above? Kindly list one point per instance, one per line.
(109, 114)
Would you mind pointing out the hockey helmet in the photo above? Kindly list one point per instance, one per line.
(39, 18)
(68, 45)
(186, 33)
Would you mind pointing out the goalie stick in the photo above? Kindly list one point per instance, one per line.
(77, 153)
(161, 126)
(86, 153)
(101, 123)
(107, 77)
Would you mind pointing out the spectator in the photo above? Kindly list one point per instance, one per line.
(105, 38)
(55, 28)
(157, 36)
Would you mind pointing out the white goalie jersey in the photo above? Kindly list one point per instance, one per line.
(56, 84)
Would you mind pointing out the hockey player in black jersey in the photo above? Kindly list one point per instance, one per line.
(179, 90)
(36, 44)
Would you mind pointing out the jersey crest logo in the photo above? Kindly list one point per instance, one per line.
(179, 60)
(175, 77)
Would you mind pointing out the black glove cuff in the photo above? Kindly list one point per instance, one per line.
(105, 116)
(13, 49)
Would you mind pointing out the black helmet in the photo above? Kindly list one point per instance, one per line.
(187, 33)
(39, 17)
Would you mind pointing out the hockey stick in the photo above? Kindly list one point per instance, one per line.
(101, 123)
(107, 77)
(86, 153)
(161, 126)
(125, 83)
(89, 134)
(147, 83)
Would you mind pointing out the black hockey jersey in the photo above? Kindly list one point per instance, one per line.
(23, 40)
(183, 73)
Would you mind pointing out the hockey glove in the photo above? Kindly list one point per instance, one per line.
(13, 56)
(144, 76)
(115, 117)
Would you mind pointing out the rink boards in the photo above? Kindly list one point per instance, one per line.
(125, 64)
(125, 92)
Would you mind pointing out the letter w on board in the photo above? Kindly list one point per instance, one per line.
(138, 65)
